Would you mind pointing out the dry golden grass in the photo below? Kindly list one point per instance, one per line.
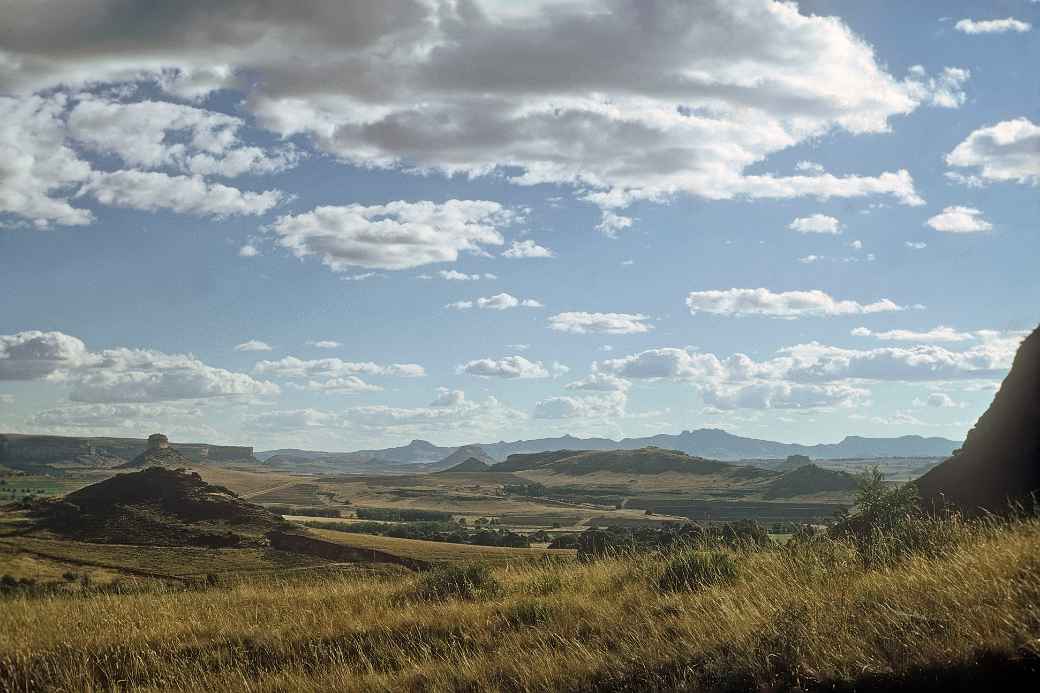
(790, 617)
(438, 551)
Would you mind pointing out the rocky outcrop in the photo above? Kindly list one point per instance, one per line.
(999, 464)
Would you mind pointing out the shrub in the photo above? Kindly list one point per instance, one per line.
(470, 581)
(690, 569)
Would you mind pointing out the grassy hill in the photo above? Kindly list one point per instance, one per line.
(808, 480)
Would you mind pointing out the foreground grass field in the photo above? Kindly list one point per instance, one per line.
(961, 610)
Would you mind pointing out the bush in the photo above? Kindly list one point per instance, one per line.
(471, 581)
(691, 569)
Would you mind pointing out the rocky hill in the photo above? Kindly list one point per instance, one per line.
(159, 506)
(466, 467)
(999, 463)
(463, 455)
(157, 457)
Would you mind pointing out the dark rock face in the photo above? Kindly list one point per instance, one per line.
(1000, 462)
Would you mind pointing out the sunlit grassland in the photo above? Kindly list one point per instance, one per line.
(798, 615)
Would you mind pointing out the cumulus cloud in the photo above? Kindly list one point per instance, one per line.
(816, 223)
(644, 100)
(604, 323)
(140, 134)
(936, 334)
(959, 220)
(248, 250)
(508, 367)
(785, 304)
(992, 26)
(324, 344)
(814, 375)
(915, 245)
(293, 367)
(346, 383)
(1007, 151)
(943, 91)
(34, 355)
(394, 236)
(611, 223)
(527, 249)
(939, 400)
(607, 405)
(253, 345)
(600, 382)
(502, 301)
(448, 398)
(153, 190)
(143, 375)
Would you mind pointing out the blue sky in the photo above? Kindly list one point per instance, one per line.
(598, 218)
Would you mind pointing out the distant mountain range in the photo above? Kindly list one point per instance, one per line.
(710, 443)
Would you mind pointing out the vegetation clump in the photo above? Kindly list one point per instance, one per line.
(473, 581)
(692, 569)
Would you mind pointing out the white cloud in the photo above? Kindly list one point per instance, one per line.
(397, 235)
(647, 100)
(37, 165)
(527, 249)
(915, 245)
(502, 301)
(600, 382)
(814, 375)
(455, 276)
(152, 191)
(809, 167)
(141, 135)
(507, 367)
(939, 400)
(944, 91)
(809, 259)
(448, 398)
(816, 223)
(141, 375)
(782, 395)
(347, 383)
(291, 420)
(1007, 151)
(936, 334)
(253, 345)
(248, 250)
(786, 304)
(604, 323)
(325, 344)
(611, 223)
(856, 245)
(124, 419)
(992, 26)
(119, 375)
(518, 347)
(34, 355)
(293, 367)
(609, 405)
(959, 220)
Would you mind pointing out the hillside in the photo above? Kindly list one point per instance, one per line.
(158, 506)
(999, 464)
(808, 480)
(648, 460)
(469, 465)
(463, 455)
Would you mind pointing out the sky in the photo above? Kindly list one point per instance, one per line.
(339, 225)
